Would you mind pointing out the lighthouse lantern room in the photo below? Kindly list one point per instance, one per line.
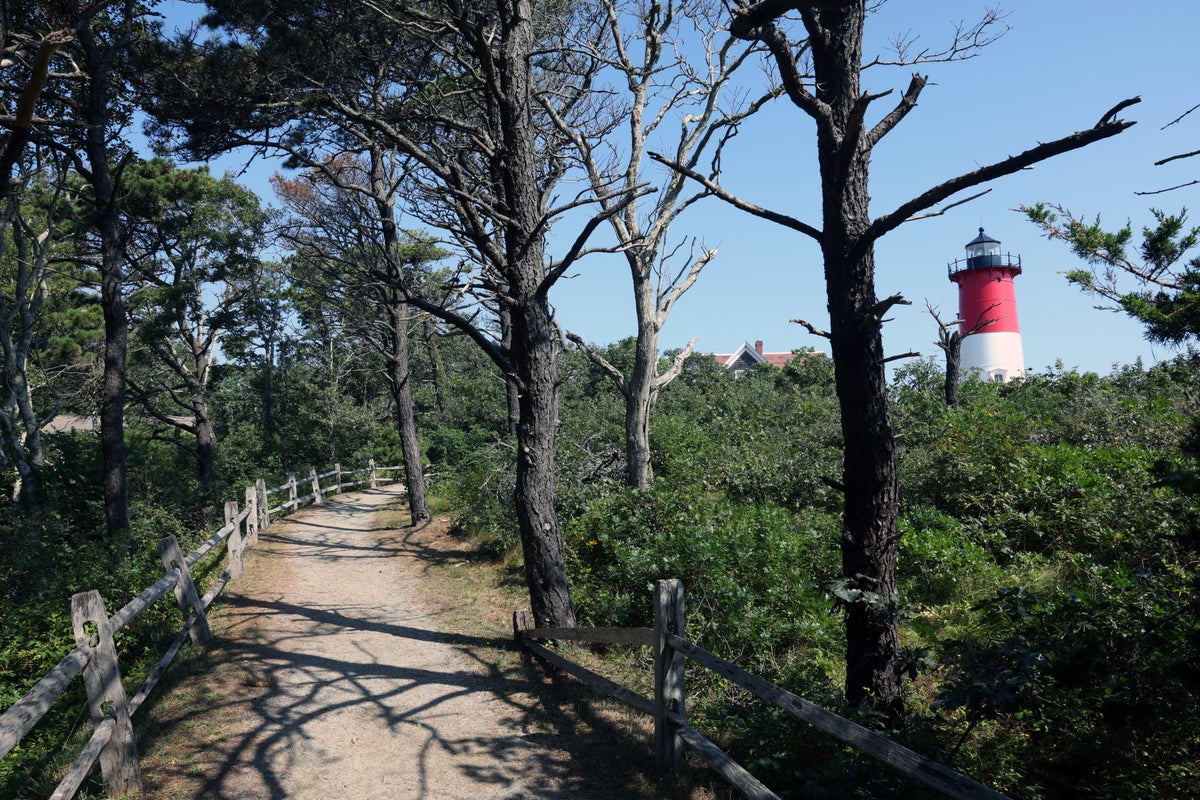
(987, 308)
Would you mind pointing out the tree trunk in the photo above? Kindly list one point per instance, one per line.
(953, 348)
(107, 225)
(406, 414)
(512, 394)
(534, 333)
(205, 467)
(112, 405)
(398, 351)
(435, 364)
(640, 390)
(22, 444)
(541, 541)
(870, 536)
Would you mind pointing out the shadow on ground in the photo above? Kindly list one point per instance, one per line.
(237, 724)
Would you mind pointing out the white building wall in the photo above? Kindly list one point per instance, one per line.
(996, 356)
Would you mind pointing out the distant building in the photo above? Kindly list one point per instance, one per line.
(746, 357)
(987, 306)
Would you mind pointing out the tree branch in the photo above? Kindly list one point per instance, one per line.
(1117, 109)
(1103, 130)
(676, 365)
(1176, 158)
(1169, 188)
(757, 22)
(907, 103)
(944, 209)
(815, 331)
(736, 202)
(617, 376)
(910, 354)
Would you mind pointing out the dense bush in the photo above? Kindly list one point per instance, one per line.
(1050, 536)
(61, 551)
(1046, 560)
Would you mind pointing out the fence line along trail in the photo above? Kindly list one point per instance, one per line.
(361, 696)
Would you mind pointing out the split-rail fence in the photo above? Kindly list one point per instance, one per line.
(672, 733)
(95, 654)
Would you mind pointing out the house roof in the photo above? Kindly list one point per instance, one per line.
(748, 355)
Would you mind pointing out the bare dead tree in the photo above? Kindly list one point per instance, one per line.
(950, 338)
(28, 245)
(673, 62)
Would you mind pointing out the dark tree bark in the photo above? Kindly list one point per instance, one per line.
(112, 300)
(435, 362)
(400, 384)
(22, 124)
(104, 35)
(950, 339)
(533, 353)
(953, 366)
(833, 99)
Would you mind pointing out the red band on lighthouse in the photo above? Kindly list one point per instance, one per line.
(987, 306)
(987, 300)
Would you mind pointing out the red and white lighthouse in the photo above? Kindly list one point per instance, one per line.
(987, 306)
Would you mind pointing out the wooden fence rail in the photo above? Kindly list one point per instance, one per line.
(95, 654)
(673, 734)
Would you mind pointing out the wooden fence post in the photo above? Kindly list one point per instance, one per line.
(371, 465)
(236, 545)
(291, 484)
(337, 478)
(668, 674)
(316, 485)
(102, 680)
(522, 621)
(264, 506)
(252, 517)
(185, 591)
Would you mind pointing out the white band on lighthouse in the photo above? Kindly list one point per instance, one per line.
(994, 356)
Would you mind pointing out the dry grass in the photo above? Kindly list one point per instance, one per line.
(608, 745)
(200, 706)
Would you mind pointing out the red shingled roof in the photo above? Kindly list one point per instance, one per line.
(753, 355)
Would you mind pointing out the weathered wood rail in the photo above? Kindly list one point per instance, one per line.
(95, 654)
(672, 733)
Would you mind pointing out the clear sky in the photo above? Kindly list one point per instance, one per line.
(1062, 65)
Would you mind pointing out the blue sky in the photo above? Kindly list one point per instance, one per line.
(1063, 64)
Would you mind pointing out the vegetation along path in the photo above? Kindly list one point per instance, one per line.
(335, 677)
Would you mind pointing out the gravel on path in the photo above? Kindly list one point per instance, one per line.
(361, 696)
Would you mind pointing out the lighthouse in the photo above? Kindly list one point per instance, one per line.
(987, 308)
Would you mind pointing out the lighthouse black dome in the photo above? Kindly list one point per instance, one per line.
(982, 238)
(983, 252)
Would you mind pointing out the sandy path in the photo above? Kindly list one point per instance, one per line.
(363, 697)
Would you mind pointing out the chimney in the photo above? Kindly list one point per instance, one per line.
(758, 346)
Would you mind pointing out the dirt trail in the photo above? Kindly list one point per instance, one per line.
(349, 689)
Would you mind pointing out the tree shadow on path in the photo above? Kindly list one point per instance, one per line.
(361, 690)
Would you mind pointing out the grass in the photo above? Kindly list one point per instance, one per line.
(599, 748)
(610, 744)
